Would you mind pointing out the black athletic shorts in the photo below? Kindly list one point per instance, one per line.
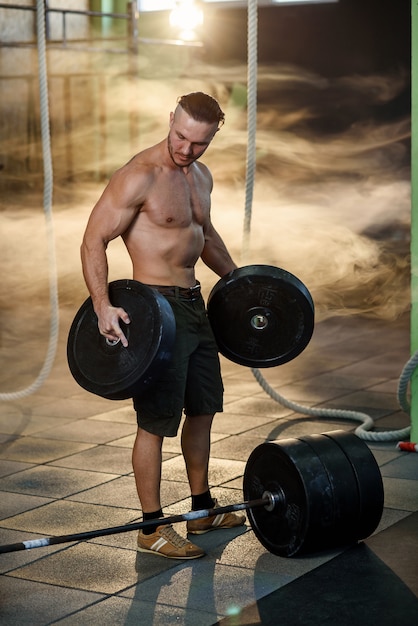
(192, 381)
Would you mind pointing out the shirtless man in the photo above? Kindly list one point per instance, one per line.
(159, 203)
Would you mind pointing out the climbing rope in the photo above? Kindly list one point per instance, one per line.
(367, 423)
(252, 46)
(362, 431)
(48, 189)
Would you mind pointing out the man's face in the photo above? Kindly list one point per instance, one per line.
(187, 138)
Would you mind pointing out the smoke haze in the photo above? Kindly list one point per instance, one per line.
(331, 198)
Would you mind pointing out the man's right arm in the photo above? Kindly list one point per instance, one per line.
(95, 271)
(109, 219)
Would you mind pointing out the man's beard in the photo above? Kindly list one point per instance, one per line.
(190, 160)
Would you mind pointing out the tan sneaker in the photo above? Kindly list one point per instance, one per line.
(214, 522)
(166, 542)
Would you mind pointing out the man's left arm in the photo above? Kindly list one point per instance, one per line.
(215, 253)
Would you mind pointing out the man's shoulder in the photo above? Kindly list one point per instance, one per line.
(147, 158)
(203, 172)
(144, 164)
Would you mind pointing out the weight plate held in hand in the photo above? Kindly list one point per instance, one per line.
(261, 316)
(110, 370)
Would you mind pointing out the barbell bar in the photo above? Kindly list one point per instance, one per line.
(307, 494)
(268, 500)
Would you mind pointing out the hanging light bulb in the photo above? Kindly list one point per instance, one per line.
(186, 17)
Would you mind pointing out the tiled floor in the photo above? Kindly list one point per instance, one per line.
(65, 468)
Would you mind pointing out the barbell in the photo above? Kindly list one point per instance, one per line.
(302, 495)
(261, 316)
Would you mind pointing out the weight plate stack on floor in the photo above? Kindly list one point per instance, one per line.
(261, 316)
(322, 493)
(109, 369)
(369, 481)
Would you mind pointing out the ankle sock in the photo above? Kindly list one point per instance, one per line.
(148, 530)
(202, 501)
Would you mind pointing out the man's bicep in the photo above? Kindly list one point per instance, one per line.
(111, 216)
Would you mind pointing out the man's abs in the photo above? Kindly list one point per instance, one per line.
(167, 264)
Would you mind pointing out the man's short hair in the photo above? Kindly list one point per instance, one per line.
(202, 108)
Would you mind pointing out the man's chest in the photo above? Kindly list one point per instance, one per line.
(179, 200)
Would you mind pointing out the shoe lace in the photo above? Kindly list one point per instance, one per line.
(173, 537)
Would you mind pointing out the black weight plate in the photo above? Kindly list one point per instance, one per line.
(340, 525)
(261, 316)
(292, 469)
(110, 370)
(369, 480)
